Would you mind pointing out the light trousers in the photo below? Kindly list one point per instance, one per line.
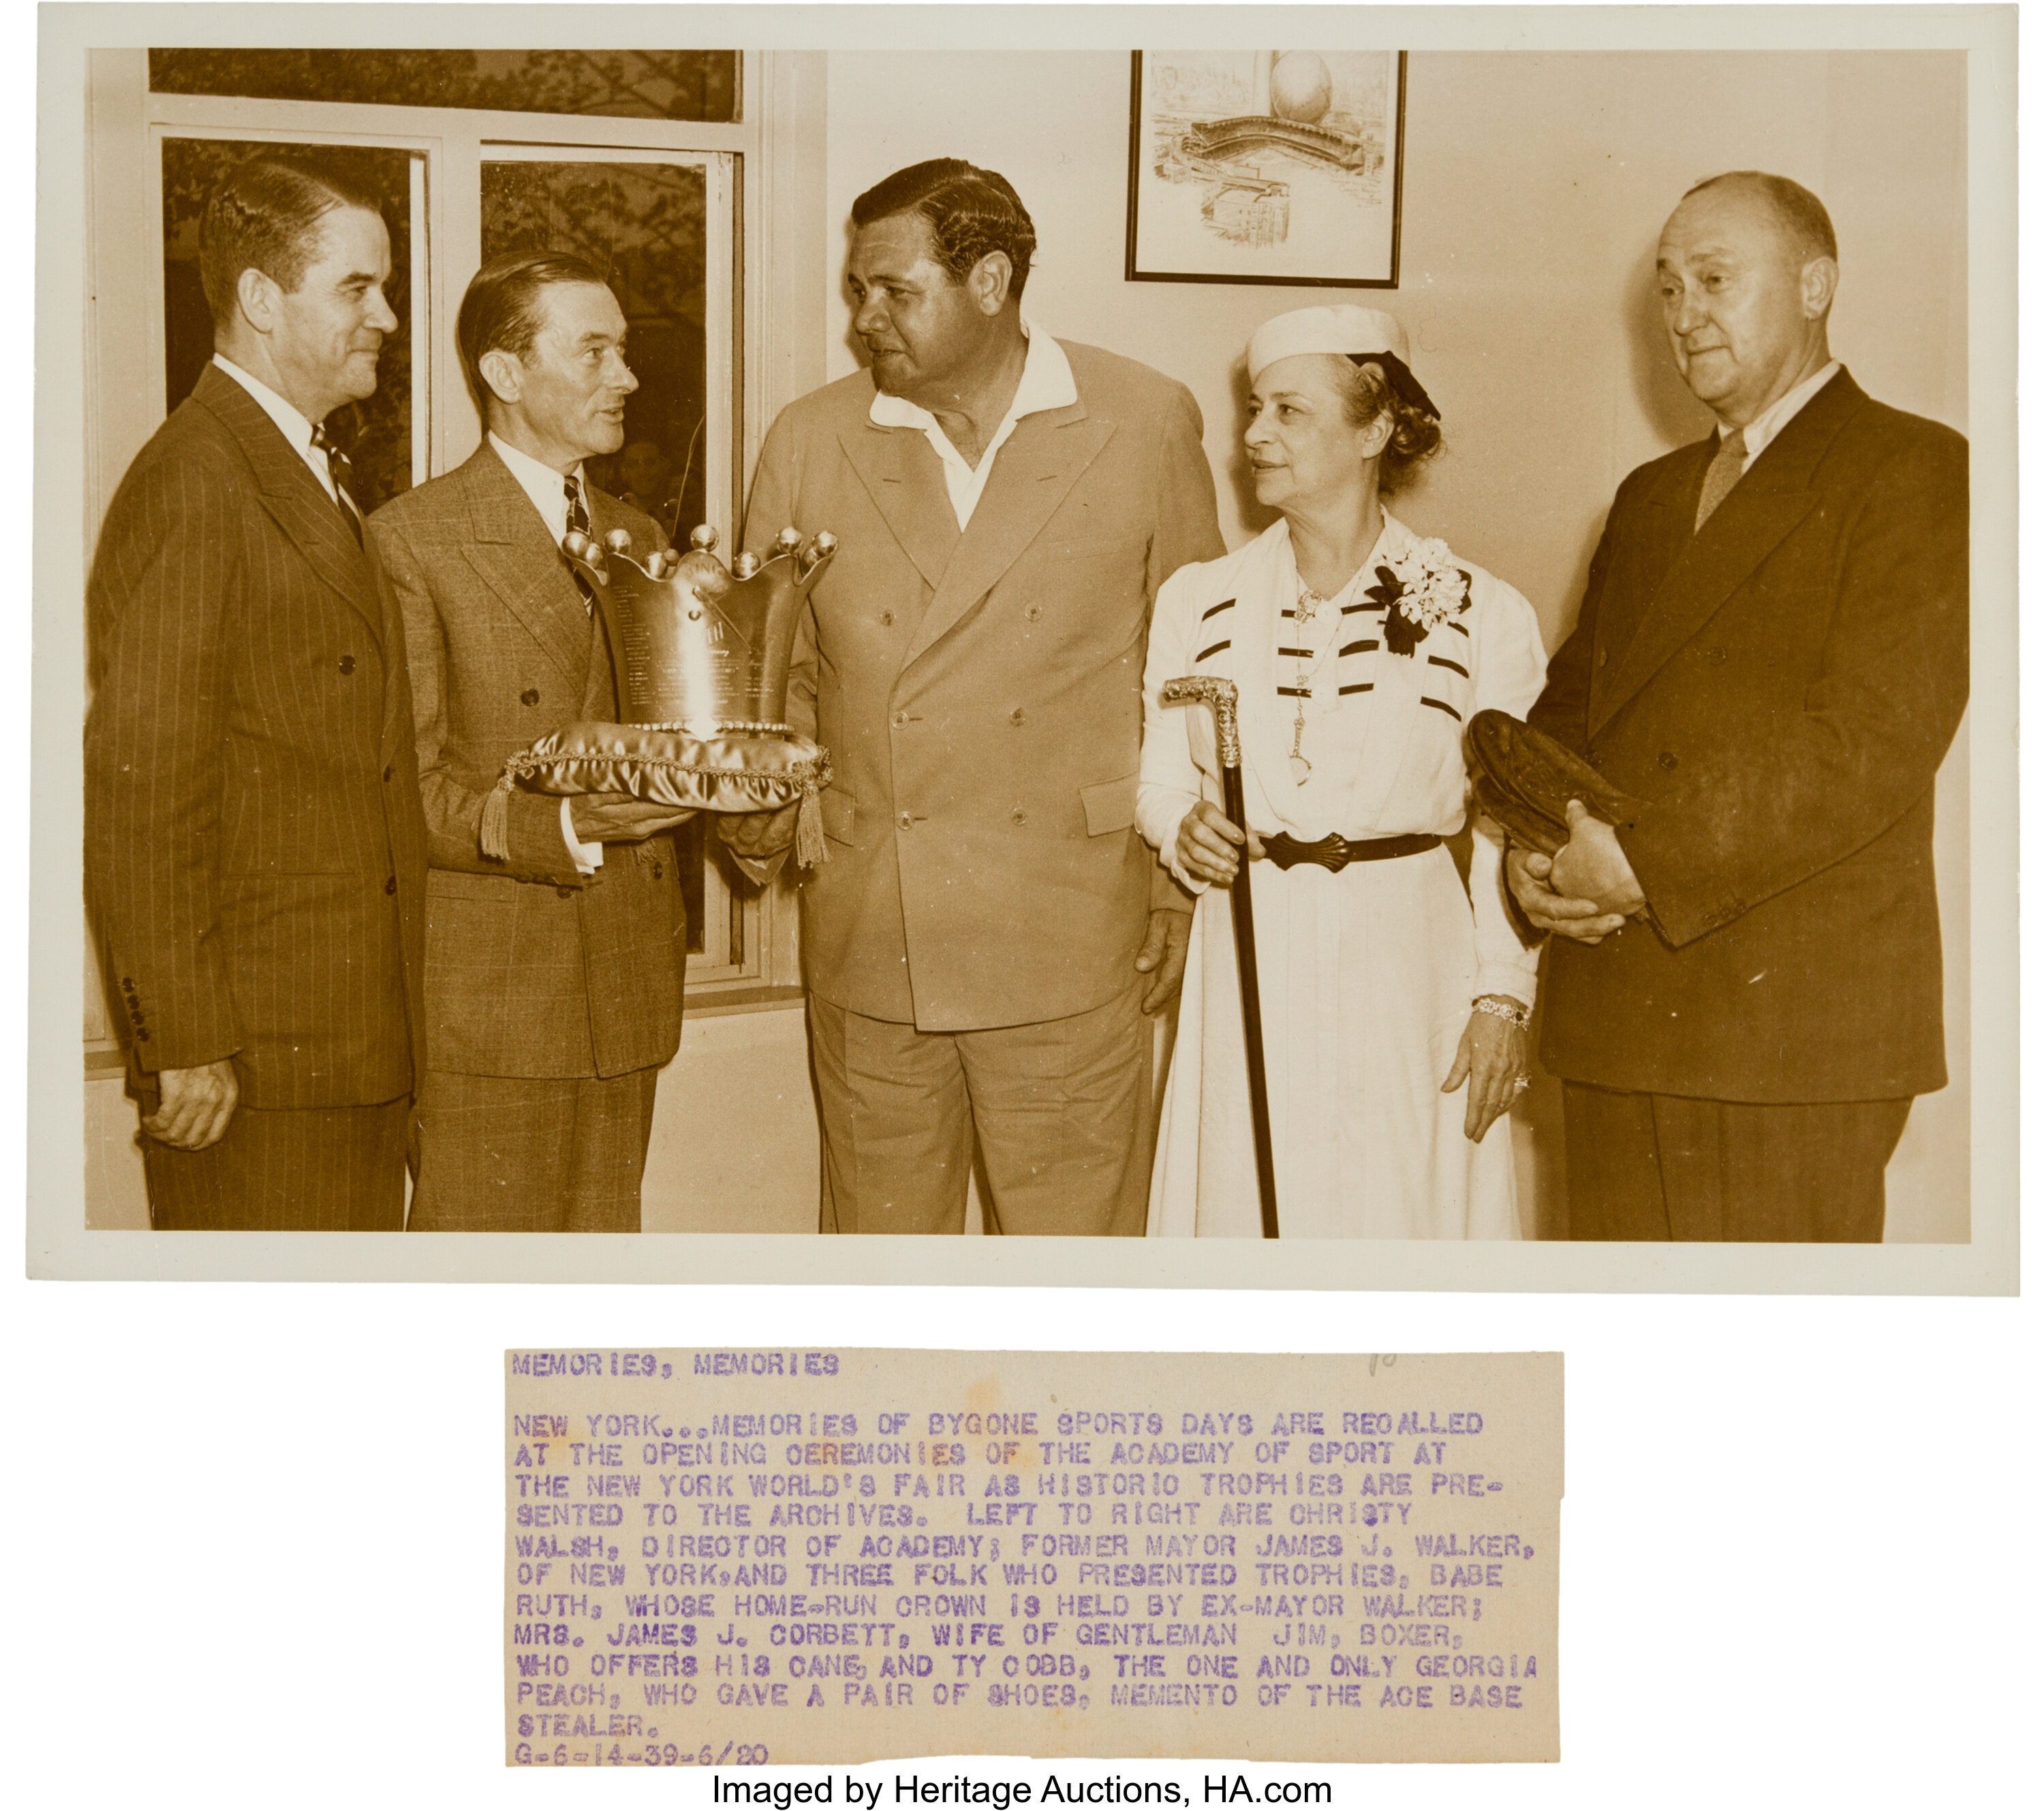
(1060, 1111)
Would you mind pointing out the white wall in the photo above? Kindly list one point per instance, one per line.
(1534, 189)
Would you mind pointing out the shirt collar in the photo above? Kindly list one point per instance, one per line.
(1046, 383)
(546, 486)
(293, 426)
(1770, 422)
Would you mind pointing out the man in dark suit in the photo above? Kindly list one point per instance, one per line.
(554, 973)
(990, 930)
(1746, 989)
(255, 856)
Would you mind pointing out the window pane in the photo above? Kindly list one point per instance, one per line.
(642, 226)
(376, 434)
(629, 84)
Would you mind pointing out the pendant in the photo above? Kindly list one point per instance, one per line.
(1302, 770)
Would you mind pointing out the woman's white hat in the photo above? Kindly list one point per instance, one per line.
(1347, 331)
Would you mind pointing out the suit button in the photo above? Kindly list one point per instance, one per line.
(564, 892)
(1603, 656)
(1034, 614)
(905, 821)
(658, 870)
(886, 619)
(141, 1037)
(528, 697)
(347, 665)
(1667, 761)
(390, 885)
(901, 719)
(1018, 816)
(1015, 717)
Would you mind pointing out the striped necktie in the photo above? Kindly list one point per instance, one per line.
(579, 524)
(340, 468)
(1726, 471)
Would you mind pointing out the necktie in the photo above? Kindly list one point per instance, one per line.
(1726, 471)
(579, 524)
(339, 468)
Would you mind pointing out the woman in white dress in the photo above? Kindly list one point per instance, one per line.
(1394, 1001)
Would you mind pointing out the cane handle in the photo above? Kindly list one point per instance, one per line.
(1218, 695)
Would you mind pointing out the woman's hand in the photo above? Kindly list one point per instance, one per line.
(1207, 842)
(1491, 1057)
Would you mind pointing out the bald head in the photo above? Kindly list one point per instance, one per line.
(1798, 217)
(1746, 272)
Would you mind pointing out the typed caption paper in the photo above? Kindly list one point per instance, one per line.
(747, 1556)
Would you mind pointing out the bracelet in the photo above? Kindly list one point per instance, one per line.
(1499, 1008)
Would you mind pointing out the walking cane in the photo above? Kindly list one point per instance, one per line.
(1219, 695)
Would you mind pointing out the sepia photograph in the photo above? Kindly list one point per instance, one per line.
(716, 645)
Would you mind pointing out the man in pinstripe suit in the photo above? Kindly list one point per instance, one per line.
(255, 853)
(554, 975)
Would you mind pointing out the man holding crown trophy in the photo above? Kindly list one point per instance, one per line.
(556, 938)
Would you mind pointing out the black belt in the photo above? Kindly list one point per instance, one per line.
(1334, 852)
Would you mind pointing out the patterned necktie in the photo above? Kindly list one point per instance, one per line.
(579, 524)
(339, 469)
(1726, 471)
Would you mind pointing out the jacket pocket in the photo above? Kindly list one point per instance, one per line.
(1109, 806)
(840, 812)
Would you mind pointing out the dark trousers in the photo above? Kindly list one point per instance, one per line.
(1060, 1111)
(1664, 1166)
(507, 1154)
(302, 1170)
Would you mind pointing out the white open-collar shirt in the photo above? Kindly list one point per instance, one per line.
(1046, 383)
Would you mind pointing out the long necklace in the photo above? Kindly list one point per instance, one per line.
(1310, 605)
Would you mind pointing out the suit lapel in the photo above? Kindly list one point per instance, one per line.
(513, 554)
(1032, 476)
(294, 498)
(902, 475)
(1758, 513)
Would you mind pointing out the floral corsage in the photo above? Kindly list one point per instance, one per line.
(1418, 591)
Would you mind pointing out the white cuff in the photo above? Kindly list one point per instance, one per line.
(588, 856)
(1515, 980)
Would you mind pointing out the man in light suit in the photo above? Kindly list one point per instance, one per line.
(554, 974)
(977, 944)
(254, 857)
(1746, 989)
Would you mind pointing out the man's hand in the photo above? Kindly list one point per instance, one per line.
(195, 1106)
(1591, 866)
(618, 817)
(758, 835)
(1164, 951)
(1530, 874)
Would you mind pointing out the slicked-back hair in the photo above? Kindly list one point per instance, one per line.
(500, 312)
(266, 217)
(970, 213)
(1799, 214)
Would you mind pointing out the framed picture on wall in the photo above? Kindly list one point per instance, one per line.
(1266, 167)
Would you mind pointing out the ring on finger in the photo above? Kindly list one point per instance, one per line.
(1521, 1083)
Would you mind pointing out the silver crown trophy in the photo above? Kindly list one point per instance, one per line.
(700, 653)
